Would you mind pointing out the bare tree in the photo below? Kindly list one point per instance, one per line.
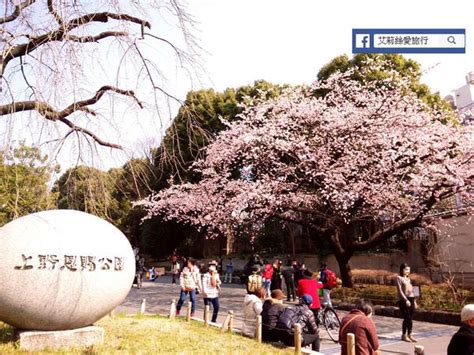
(80, 68)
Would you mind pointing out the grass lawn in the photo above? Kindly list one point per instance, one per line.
(155, 334)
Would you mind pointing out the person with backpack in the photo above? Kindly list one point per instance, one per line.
(254, 281)
(271, 311)
(329, 280)
(211, 285)
(253, 304)
(309, 286)
(190, 282)
(358, 322)
(302, 315)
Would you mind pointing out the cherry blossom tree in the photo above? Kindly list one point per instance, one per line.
(357, 165)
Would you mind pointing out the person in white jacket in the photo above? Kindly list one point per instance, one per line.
(211, 284)
(253, 304)
(190, 282)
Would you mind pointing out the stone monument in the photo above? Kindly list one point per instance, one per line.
(61, 271)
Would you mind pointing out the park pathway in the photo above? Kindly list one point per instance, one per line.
(158, 295)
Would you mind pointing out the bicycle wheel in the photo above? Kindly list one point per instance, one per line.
(332, 324)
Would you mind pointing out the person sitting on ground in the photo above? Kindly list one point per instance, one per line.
(254, 281)
(462, 343)
(299, 314)
(253, 304)
(271, 311)
(358, 322)
(309, 286)
(211, 285)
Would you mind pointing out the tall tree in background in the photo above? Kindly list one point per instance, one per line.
(24, 179)
(382, 66)
(202, 116)
(366, 154)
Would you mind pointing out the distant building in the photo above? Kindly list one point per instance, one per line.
(464, 98)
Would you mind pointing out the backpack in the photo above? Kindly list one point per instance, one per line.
(331, 279)
(254, 283)
(289, 317)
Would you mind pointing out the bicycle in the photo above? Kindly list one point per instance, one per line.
(328, 317)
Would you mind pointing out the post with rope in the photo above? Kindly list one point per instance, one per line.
(258, 329)
(188, 312)
(206, 315)
(173, 310)
(297, 339)
(419, 350)
(351, 350)
(231, 321)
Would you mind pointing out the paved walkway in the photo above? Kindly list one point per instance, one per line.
(158, 295)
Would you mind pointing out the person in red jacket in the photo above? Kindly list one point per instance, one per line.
(309, 286)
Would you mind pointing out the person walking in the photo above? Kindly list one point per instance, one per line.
(276, 276)
(329, 281)
(271, 311)
(302, 315)
(298, 274)
(267, 276)
(211, 285)
(190, 282)
(358, 322)
(462, 343)
(253, 304)
(406, 302)
(229, 270)
(309, 286)
(175, 268)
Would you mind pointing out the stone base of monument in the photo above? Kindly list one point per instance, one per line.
(33, 340)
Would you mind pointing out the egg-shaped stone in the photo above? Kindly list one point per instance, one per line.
(62, 269)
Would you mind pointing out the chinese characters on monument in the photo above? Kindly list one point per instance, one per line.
(70, 262)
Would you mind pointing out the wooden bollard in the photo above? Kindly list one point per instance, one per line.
(225, 325)
(258, 329)
(173, 310)
(188, 312)
(419, 350)
(297, 339)
(231, 321)
(351, 344)
(207, 314)
(143, 306)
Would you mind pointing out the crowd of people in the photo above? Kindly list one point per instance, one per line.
(304, 289)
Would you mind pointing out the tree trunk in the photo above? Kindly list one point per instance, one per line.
(345, 269)
(343, 254)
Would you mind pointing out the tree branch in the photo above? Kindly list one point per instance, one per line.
(16, 11)
(63, 34)
(48, 112)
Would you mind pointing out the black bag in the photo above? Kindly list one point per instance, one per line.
(290, 316)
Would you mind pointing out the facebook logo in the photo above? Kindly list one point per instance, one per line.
(362, 40)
